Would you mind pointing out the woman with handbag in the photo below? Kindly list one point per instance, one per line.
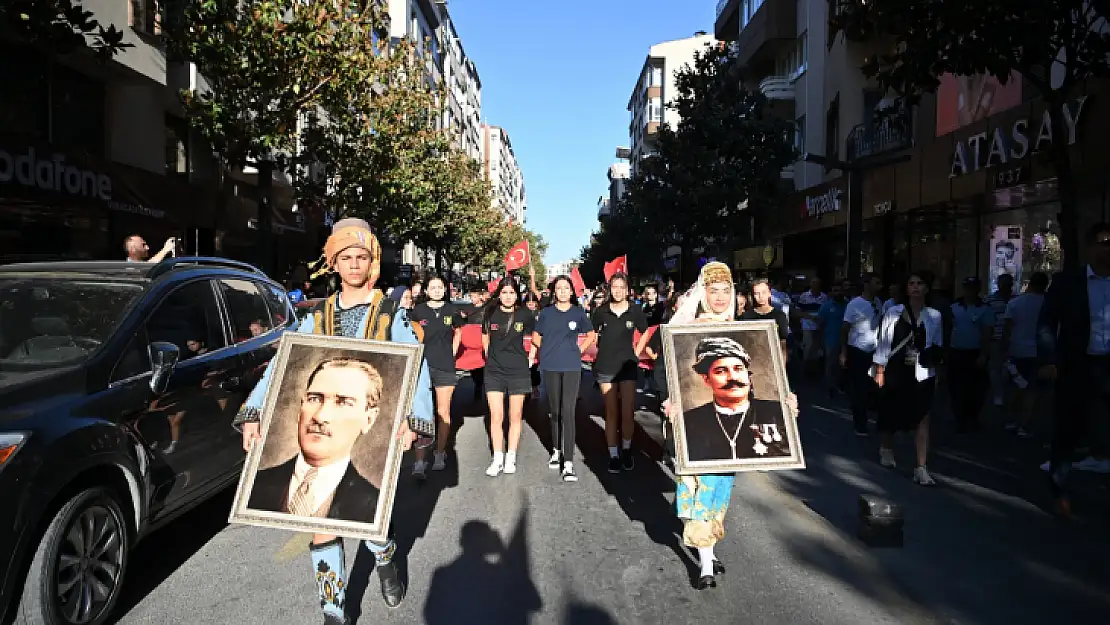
(910, 341)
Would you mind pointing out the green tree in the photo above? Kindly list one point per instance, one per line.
(58, 27)
(1054, 46)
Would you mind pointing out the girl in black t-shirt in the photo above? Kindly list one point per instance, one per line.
(617, 368)
(508, 370)
(441, 323)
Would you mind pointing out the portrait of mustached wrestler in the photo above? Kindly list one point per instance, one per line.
(340, 403)
(734, 425)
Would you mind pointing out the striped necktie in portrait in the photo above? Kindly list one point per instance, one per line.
(300, 504)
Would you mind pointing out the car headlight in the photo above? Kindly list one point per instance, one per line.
(10, 442)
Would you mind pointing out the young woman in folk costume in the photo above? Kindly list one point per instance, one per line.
(508, 371)
(358, 310)
(702, 500)
(442, 326)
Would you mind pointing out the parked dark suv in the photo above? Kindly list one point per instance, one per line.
(118, 385)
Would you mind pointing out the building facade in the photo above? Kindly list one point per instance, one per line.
(655, 89)
(464, 92)
(891, 189)
(503, 171)
(93, 152)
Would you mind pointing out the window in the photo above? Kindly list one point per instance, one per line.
(250, 315)
(76, 111)
(655, 110)
(145, 17)
(135, 359)
(656, 77)
(802, 53)
(177, 146)
(800, 135)
(189, 319)
(277, 301)
(832, 129)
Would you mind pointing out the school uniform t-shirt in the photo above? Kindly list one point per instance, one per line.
(506, 356)
(615, 333)
(776, 315)
(439, 333)
(559, 345)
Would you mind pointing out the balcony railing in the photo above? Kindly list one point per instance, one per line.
(889, 132)
(777, 88)
(787, 172)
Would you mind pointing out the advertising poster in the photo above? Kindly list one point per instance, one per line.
(964, 100)
(1005, 255)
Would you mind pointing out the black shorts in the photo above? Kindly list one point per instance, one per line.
(442, 378)
(629, 372)
(497, 382)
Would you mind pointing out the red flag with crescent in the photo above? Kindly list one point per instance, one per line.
(491, 286)
(517, 257)
(615, 266)
(577, 282)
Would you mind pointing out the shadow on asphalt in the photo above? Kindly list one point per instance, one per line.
(582, 614)
(164, 551)
(489, 582)
(972, 543)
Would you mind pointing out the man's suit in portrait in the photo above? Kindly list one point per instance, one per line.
(354, 499)
(761, 435)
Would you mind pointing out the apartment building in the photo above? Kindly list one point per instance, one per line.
(503, 171)
(655, 89)
(464, 92)
(890, 189)
(618, 175)
(93, 152)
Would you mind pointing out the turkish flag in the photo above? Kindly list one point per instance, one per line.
(615, 266)
(577, 282)
(517, 257)
(492, 285)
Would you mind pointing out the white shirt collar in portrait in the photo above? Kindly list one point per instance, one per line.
(327, 480)
(741, 411)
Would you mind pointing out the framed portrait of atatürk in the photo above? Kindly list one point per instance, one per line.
(328, 458)
(729, 382)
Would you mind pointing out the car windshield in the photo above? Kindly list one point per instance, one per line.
(47, 323)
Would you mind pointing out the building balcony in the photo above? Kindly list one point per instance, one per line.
(777, 87)
(727, 25)
(888, 132)
(774, 21)
(787, 172)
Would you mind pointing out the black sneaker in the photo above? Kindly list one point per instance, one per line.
(628, 460)
(614, 465)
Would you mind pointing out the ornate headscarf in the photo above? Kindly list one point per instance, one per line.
(697, 297)
(712, 349)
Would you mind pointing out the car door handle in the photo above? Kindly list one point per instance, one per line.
(231, 384)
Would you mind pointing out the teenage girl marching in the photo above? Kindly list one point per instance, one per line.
(442, 325)
(556, 334)
(617, 369)
(508, 371)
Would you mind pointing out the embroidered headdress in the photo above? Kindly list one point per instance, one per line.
(712, 349)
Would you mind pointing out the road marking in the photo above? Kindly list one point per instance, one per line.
(296, 545)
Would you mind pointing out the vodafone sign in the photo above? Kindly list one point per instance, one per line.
(51, 172)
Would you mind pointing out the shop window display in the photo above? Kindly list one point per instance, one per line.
(1020, 242)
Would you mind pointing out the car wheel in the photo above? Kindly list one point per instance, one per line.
(78, 566)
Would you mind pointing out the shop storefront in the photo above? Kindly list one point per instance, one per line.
(816, 220)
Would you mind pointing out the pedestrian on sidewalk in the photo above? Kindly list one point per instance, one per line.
(701, 501)
(442, 328)
(809, 303)
(969, 354)
(1019, 339)
(907, 353)
(765, 310)
(358, 310)
(858, 338)
(996, 366)
(1073, 343)
(829, 319)
(556, 335)
(508, 371)
(617, 369)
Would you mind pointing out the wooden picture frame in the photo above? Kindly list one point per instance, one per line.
(301, 429)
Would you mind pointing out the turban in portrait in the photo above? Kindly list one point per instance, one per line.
(712, 349)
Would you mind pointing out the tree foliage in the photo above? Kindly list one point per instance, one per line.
(1054, 46)
(58, 27)
(709, 175)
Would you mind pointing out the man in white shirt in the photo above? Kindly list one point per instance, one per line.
(858, 339)
(809, 303)
(340, 404)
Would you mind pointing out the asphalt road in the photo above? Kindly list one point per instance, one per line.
(530, 549)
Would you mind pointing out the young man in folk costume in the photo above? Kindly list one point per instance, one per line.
(358, 310)
(702, 500)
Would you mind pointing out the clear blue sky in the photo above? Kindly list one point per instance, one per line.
(557, 77)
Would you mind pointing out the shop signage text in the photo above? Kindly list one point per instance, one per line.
(882, 208)
(983, 150)
(824, 203)
(53, 174)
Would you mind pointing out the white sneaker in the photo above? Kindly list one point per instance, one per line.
(1093, 465)
(556, 460)
(922, 477)
(510, 465)
(886, 458)
(419, 469)
(495, 467)
(568, 474)
(440, 462)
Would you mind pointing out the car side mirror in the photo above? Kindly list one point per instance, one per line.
(163, 358)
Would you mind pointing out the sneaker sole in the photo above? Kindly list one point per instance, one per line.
(570, 478)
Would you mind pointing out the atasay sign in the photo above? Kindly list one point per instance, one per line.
(976, 152)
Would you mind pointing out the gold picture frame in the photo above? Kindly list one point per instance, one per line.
(765, 438)
(375, 455)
